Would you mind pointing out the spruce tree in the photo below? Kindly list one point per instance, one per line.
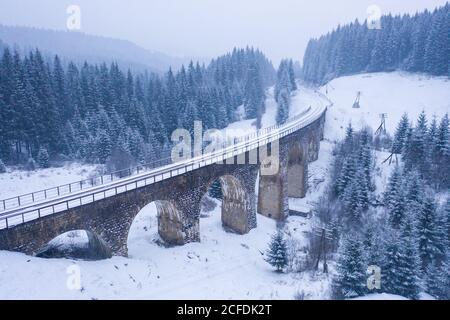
(277, 252)
(43, 158)
(402, 263)
(104, 146)
(346, 175)
(2, 167)
(284, 101)
(437, 280)
(427, 232)
(350, 279)
(400, 135)
(409, 264)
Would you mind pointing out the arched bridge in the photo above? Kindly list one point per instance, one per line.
(108, 207)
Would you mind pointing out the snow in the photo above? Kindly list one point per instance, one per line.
(302, 99)
(215, 267)
(71, 239)
(381, 296)
(392, 93)
(18, 182)
(211, 269)
(388, 296)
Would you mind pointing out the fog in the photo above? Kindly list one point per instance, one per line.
(206, 28)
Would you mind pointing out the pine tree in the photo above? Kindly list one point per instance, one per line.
(409, 264)
(255, 96)
(427, 232)
(104, 146)
(350, 280)
(43, 158)
(442, 154)
(284, 101)
(356, 199)
(277, 252)
(374, 245)
(401, 263)
(394, 198)
(446, 219)
(346, 175)
(415, 153)
(437, 48)
(292, 75)
(400, 135)
(2, 167)
(437, 280)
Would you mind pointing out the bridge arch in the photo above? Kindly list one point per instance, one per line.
(236, 212)
(157, 220)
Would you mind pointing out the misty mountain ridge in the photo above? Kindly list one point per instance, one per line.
(80, 47)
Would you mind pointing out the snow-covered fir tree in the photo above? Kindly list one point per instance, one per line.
(350, 280)
(277, 252)
(2, 167)
(400, 135)
(284, 87)
(43, 158)
(430, 243)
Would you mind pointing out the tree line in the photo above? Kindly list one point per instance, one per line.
(418, 43)
(405, 231)
(93, 112)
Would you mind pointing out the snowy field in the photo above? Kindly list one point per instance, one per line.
(392, 93)
(215, 267)
(19, 182)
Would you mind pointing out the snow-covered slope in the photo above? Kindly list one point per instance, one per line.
(392, 93)
(301, 99)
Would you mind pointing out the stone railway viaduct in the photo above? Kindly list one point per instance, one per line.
(178, 197)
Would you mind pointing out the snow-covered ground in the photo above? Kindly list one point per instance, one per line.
(302, 99)
(216, 267)
(18, 182)
(211, 269)
(392, 93)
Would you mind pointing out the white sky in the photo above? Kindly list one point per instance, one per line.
(206, 28)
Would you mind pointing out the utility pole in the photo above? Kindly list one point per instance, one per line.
(382, 127)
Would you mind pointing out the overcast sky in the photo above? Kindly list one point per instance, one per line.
(206, 28)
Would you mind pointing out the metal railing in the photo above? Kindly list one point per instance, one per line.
(143, 177)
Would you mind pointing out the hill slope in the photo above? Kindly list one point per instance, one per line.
(392, 93)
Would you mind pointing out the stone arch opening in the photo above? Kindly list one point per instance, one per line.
(158, 222)
(296, 165)
(233, 204)
(76, 244)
